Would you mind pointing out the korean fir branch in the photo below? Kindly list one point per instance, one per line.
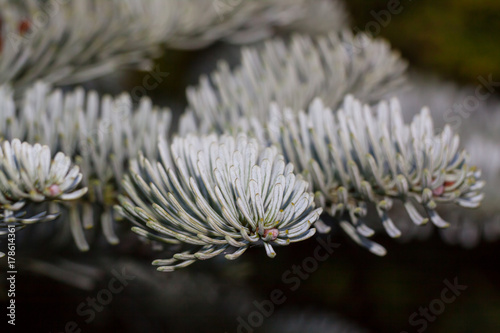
(200, 22)
(360, 156)
(53, 40)
(219, 195)
(293, 74)
(100, 133)
(29, 178)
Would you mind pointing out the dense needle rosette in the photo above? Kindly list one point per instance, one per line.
(27, 173)
(28, 178)
(100, 133)
(220, 195)
(357, 158)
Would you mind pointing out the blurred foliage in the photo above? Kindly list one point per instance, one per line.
(457, 38)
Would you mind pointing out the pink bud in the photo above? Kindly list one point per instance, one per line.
(438, 191)
(54, 190)
(273, 232)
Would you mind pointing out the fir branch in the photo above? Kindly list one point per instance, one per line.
(28, 174)
(293, 74)
(99, 133)
(74, 41)
(220, 195)
(478, 129)
(355, 158)
(245, 21)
